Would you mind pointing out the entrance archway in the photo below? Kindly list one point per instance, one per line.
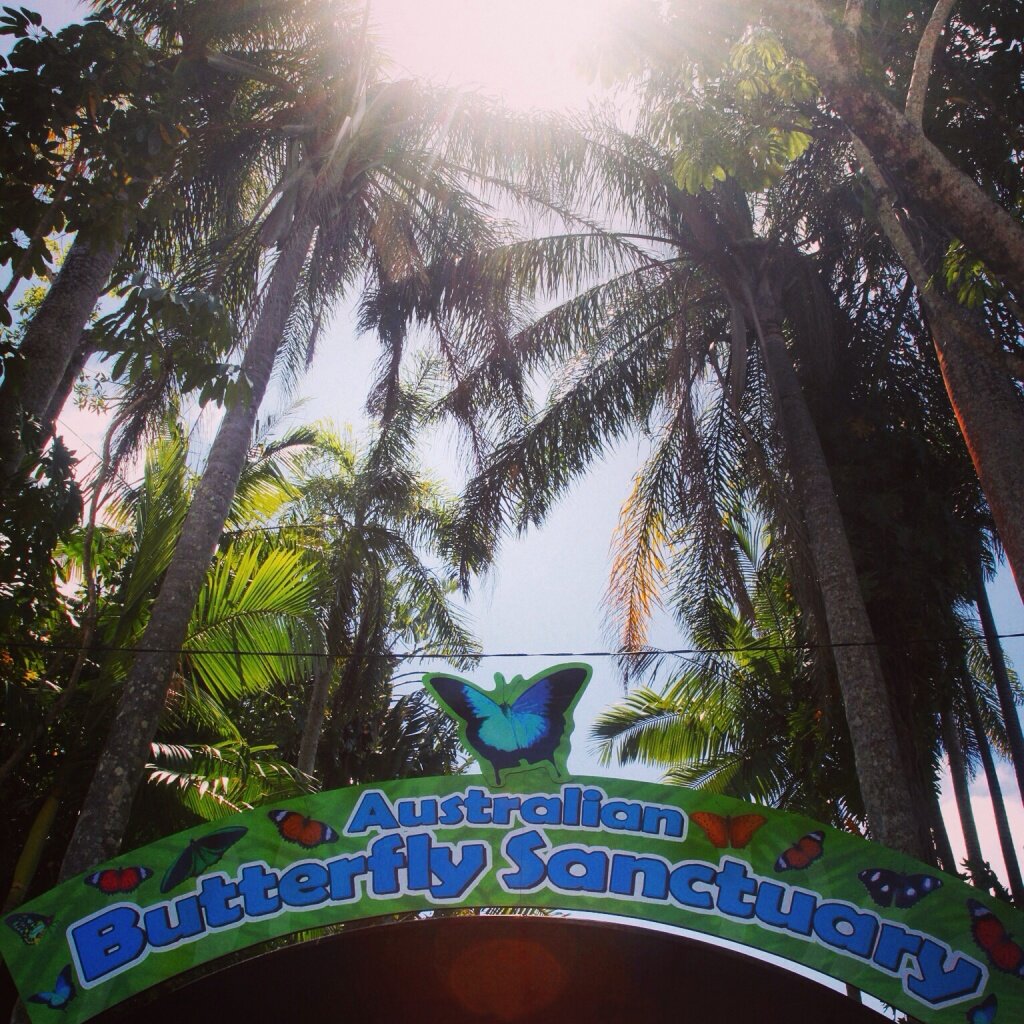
(500, 969)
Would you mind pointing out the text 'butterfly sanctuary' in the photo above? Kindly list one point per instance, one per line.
(523, 833)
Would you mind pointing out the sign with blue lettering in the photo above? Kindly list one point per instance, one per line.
(527, 836)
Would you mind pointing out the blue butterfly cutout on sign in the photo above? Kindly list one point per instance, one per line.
(62, 994)
(520, 725)
(984, 1012)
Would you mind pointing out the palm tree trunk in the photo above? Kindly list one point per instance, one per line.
(884, 787)
(996, 796)
(314, 723)
(952, 198)
(49, 346)
(1011, 721)
(941, 837)
(962, 791)
(985, 399)
(32, 851)
(107, 806)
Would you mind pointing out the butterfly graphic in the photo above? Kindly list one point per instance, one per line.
(519, 724)
(893, 889)
(725, 830)
(117, 880)
(29, 927)
(306, 832)
(989, 933)
(984, 1012)
(802, 853)
(62, 994)
(200, 854)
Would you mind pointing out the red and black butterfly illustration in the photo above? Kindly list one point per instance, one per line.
(111, 881)
(802, 853)
(893, 889)
(999, 946)
(29, 927)
(200, 854)
(306, 832)
(725, 830)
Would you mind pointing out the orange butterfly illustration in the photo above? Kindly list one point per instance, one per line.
(725, 830)
(802, 853)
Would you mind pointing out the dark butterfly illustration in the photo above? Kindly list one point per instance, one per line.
(520, 723)
(984, 1012)
(117, 880)
(893, 889)
(200, 854)
(29, 927)
(999, 946)
(725, 830)
(62, 994)
(802, 853)
(306, 832)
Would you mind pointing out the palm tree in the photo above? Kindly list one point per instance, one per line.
(639, 347)
(379, 524)
(374, 187)
(748, 116)
(171, 162)
(753, 717)
(255, 600)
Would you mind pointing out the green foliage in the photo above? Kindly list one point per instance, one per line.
(382, 532)
(742, 121)
(256, 599)
(91, 117)
(216, 780)
(968, 278)
(754, 717)
(30, 602)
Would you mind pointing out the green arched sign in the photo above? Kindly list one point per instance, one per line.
(524, 836)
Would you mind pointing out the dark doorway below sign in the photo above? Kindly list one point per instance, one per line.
(499, 970)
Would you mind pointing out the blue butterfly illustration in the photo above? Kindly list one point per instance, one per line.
(518, 725)
(62, 994)
(984, 1012)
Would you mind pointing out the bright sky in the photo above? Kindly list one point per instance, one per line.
(526, 51)
(545, 593)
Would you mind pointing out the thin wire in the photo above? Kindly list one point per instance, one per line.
(235, 652)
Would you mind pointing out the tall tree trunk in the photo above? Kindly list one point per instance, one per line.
(1011, 720)
(954, 199)
(941, 837)
(990, 412)
(962, 791)
(108, 802)
(985, 399)
(49, 346)
(314, 723)
(32, 851)
(884, 787)
(996, 795)
(67, 384)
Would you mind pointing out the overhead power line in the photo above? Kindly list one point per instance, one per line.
(46, 645)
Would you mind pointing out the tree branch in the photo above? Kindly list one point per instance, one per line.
(853, 15)
(924, 60)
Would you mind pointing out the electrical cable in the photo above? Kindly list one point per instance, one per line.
(407, 656)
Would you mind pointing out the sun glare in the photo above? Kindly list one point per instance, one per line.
(530, 53)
